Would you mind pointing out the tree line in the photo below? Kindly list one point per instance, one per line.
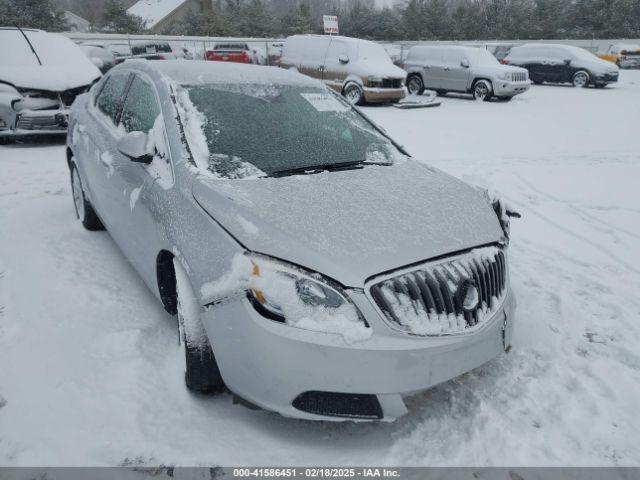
(407, 20)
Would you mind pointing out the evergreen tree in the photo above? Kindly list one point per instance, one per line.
(40, 14)
(298, 21)
(116, 19)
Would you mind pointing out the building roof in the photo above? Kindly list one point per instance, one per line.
(153, 12)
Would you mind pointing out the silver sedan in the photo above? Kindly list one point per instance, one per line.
(315, 269)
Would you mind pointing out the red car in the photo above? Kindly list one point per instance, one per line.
(230, 52)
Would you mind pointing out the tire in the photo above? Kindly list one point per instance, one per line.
(201, 372)
(482, 90)
(601, 86)
(354, 94)
(84, 210)
(537, 82)
(5, 140)
(441, 93)
(505, 99)
(415, 85)
(581, 79)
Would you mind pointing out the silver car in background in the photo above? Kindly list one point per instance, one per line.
(41, 74)
(463, 70)
(315, 269)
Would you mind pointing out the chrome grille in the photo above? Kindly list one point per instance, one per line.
(437, 298)
(39, 122)
(519, 76)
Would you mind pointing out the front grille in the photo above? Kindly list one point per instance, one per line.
(438, 298)
(386, 83)
(40, 122)
(332, 404)
(519, 77)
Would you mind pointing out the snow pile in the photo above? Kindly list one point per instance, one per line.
(280, 289)
(159, 168)
(188, 306)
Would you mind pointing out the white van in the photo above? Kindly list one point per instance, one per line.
(358, 69)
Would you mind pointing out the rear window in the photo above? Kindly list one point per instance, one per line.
(151, 48)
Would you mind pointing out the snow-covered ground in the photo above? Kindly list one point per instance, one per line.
(89, 362)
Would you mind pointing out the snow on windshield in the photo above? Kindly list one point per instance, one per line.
(259, 129)
(481, 57)
(369, 51)
(52, 49)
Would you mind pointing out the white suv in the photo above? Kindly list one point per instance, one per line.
(464, 70)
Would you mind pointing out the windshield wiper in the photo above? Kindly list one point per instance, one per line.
(30, 45)
(328, 167)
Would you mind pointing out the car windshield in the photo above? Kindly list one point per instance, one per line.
(236, 131)
(372, 52)
(52, 49)
(480, 56)
(581, 53)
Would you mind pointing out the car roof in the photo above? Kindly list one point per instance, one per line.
(187, 72)
(335, 37)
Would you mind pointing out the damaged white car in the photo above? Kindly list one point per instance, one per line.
(41, 74)
(315, 269)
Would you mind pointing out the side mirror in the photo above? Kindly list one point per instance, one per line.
(464, 63)
(343, 59)
(567, 61)
(134, 146)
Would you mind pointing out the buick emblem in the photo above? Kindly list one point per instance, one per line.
(467, 295)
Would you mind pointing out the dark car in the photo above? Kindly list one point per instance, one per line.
(152, 50)
(563, 64)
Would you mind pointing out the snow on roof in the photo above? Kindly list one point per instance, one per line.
(154, 11)
(194, 73)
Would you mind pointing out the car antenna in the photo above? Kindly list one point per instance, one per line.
(30, 45)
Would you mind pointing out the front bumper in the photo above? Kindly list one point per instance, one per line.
(505, 88)
(33, 122)
(605, 79)
(270, 364)
(382, 95)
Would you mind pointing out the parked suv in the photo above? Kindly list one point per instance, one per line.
(358, 69)
(465, 70)
(563, 64)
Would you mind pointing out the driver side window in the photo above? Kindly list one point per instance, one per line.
(141, 107)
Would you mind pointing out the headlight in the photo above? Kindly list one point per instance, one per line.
(304, 300)
(374, 78)
(504, 76)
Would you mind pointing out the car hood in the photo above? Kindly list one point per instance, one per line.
(352, 225)
(50, 78)
(497, 69)
(601, 66)
(382, 69)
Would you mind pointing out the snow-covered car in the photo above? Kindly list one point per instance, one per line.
(315, 269)
(557, 63)
(624, 55)
(463, 70)
(100, 57)
(358, 69)
(41, 74)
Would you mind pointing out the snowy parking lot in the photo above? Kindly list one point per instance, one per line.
(89, 361)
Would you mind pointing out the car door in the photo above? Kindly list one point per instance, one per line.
(99, 137)
(556, 66)
(312, 58)
(141, 186)
(433, 68)
(335, 70)
(455, 77)
(534, 59)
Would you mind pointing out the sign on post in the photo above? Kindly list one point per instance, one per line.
(330, 24)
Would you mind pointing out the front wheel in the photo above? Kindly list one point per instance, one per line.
(581, 79)
(415, 85)
(354, 94)
(84, 210)
(201, 372)
(505, 99)
(482, 91)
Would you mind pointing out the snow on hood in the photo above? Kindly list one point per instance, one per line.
(365, 68)
(64, 65)
(351, 225)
